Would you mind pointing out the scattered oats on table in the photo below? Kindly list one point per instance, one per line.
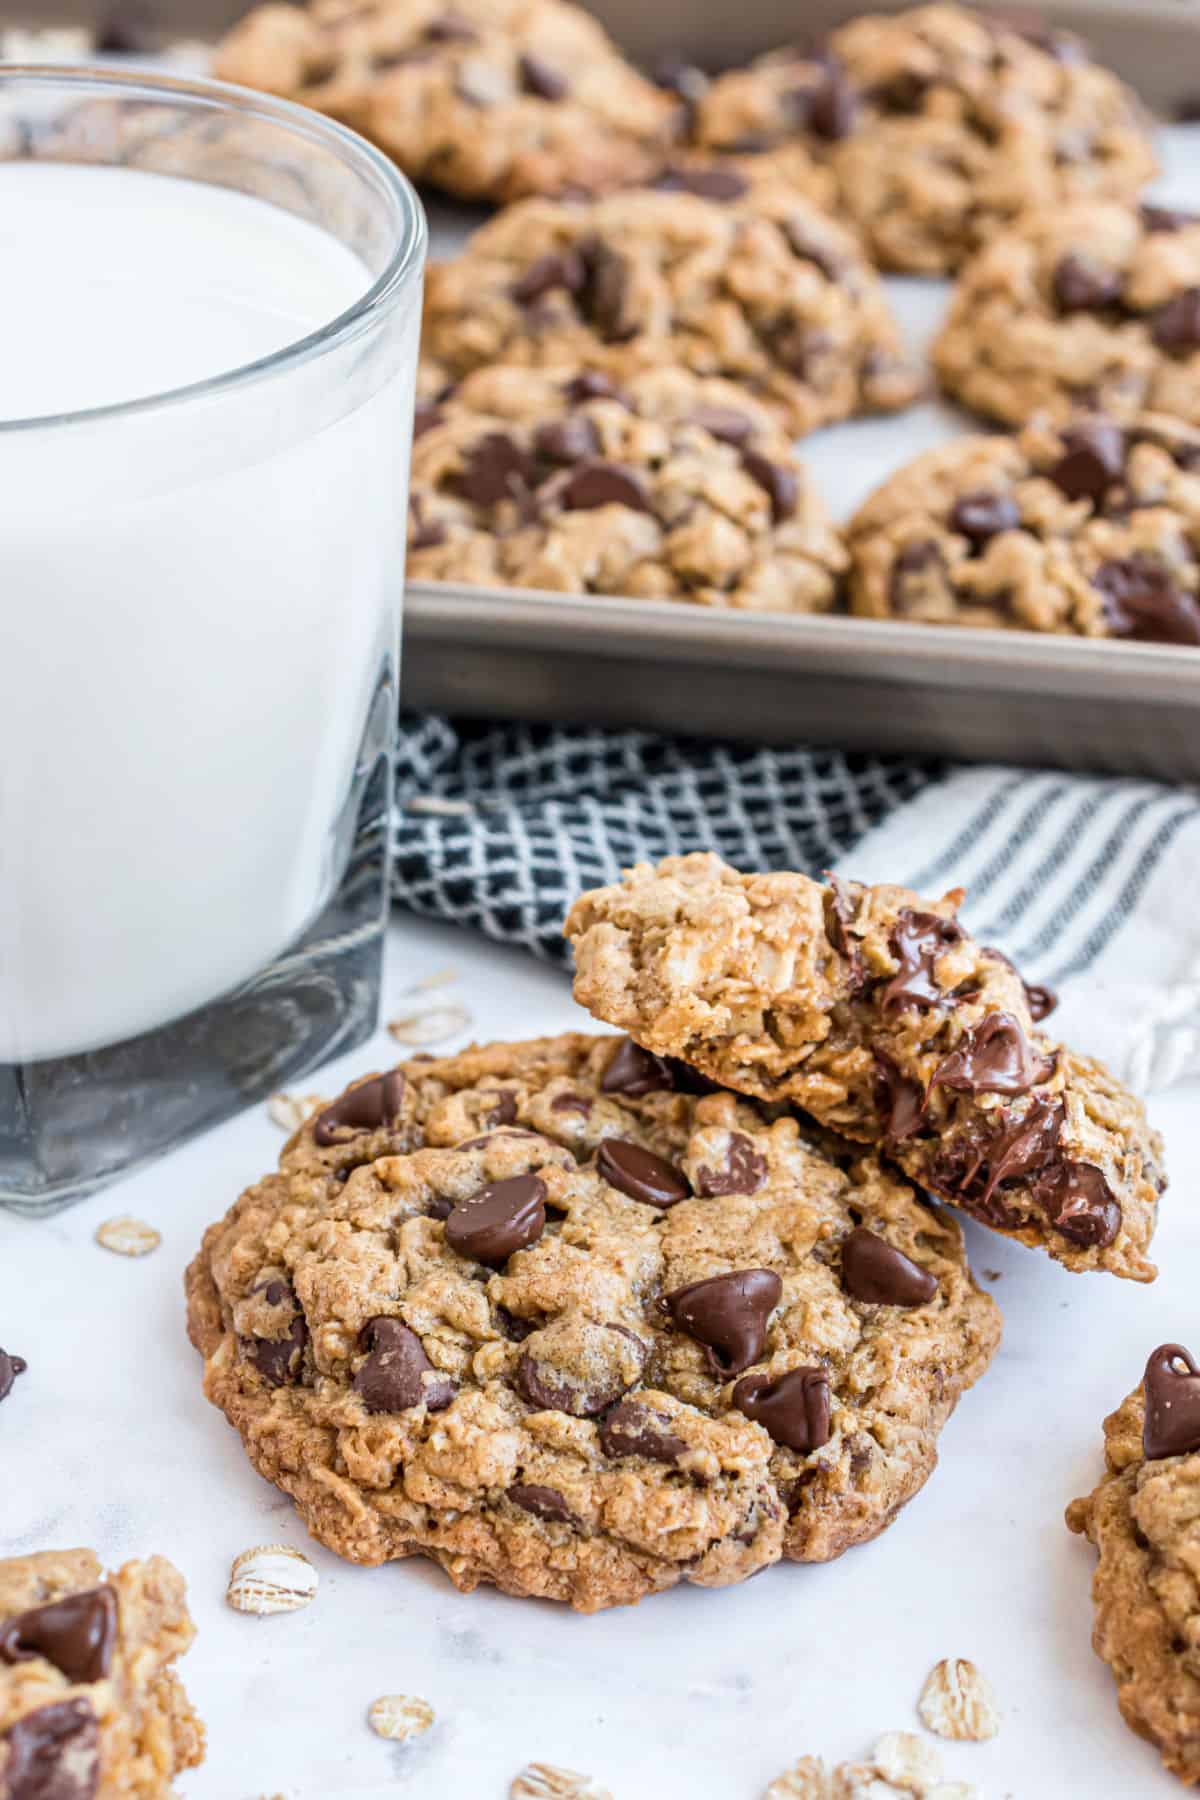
(543, 1781)
(400, 1717)
(272, 1578)
(957, 1701)
(128, 1236)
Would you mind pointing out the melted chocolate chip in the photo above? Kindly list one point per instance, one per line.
(368, 1107)
(425, 418)
(899, 1100)
(1081, 285)
(495, 468)
(505, 1109)
(10, 1368)
(604, 292)
(723, 422)
(566, 441)
(876, 1272)
(546, 1387)
(778, 483)
(727, 1314)
(1167, 218)
(743, 1172)
(279, 1360)
(542, 1502)
(563, 270)
(795, 1409)
(602, 484)
(591, 385)
(500, 1219)
(1172, 1396)
(392, 1378)
(714, 183)
(1040, 1000)
(1093, 460)
(994, 1057)
(571, 1103)
(1143, 602)
(516, 1330)
(982, 516)
(632, 1429)
(1079, 1202)
(635, 1072)
(640, 1174)
(918, 940)
(688, 1080)
(53, 1754)
(1175, 327)
(76, 1635)
(971, 1166)
(538, 77)
(840, 913)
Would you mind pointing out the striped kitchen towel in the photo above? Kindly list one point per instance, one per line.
(1089, 883)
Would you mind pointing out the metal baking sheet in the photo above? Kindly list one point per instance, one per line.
(864, 684)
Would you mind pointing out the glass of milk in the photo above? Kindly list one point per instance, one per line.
(208, 333)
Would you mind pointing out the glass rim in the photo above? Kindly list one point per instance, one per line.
(375, 302)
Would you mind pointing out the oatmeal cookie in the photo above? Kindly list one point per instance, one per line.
(1095, 306)
(563, 1318)
(1090, 528)
(939, 125)
(1142, 1521)
(668, 487)
(489, 99)
(767, 291)
(90, 1707)
(874, 1011)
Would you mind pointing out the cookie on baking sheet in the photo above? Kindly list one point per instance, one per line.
(670, 486)
(1142, 1520)
(764, 289)
(562, 1318)
(876, 1012)
(1095, 305)
(939, 125)
(89, 1703)
(1090, 528)
(489, 99)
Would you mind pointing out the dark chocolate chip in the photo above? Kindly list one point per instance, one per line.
(714, 183)
(994, 1057)
(723, 422)
(840, 913)
(795, 1409)
(516, 1330)
(832, 109)
(571, 1103)
(876, 1272)
(495, 468)
(53, 1754)
(10, 1368)
(541, 79)
(688, 1080)
(918, 940)
(632, 1429)
(563, 270)
(1142, 601)
(1167, 218)
(971, 1166)
(367, 1107)
(505, 1109)
(1172, 1397)
(602, 484)
(904, 93)
(743, 1171)
(1081, 285)
(450, 29)
(1080, 1203)
(1176, 326)
(392, 1378)
(547, 1388)
(727, 1314)
(982, 516)
(279, 1360)
(899, 1100)
(77, 1635)
(1093, 460)
(501, 1218)
(1040, 1000)
(778, 483)
(635, 1072)
(543, 1502)
(566, 441)
(591, 384)
(425, 418)
(640, 1174)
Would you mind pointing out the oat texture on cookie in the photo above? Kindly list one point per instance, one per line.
(1145, 1590)
(666, 486)
(876, 1012)
(90, 1704)
(1090, 528)
(566, 1319)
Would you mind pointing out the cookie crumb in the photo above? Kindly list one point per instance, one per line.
(542, 1781)
(271, 1578)
(433, 1026)
(400, 1717)
(957, 1702)
(128, 1236)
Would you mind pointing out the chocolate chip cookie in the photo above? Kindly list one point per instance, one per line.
(1142, 1520)
(765, 290)
(1090, 527)
(670, 486)
(876, 1012)
(1095, 305)
(940, 125)
(489, 99)
(90, 1706)
(564, 1318)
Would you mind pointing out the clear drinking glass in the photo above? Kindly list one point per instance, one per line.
(201, 564)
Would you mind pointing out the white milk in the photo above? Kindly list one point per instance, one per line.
(195, 600)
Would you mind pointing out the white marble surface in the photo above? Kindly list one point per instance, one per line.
(694, 1695)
